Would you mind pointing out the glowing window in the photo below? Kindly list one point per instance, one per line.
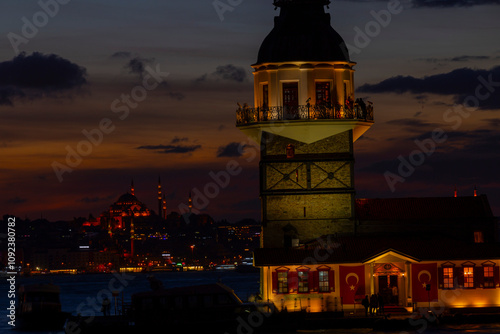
(324, 285)
(468, 277)
(303, 280)
(322, 93)
(478, 237)
(489, 278)
(448, 277)
(282, 281)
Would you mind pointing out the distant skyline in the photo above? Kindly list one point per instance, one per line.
(153, 87)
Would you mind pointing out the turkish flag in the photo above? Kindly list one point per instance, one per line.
(352, 283)
(421, 275)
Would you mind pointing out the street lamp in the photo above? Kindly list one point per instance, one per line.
(192, 250)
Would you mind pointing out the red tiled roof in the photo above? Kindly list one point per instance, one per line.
(358, 249)
(447, 208)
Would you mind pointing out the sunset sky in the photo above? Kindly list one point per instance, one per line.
(67, 73)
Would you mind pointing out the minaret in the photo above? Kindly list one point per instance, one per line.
(159, 197)
(132, 190)
(164, 207)
(190, 203)
(132, 235)
(306, 119)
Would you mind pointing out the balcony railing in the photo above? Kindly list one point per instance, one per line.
(246, 115)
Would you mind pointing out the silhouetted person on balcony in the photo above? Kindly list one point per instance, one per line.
(369, 109)
(362, 105)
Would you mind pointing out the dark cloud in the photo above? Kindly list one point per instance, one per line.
(231, 73)
(441, 3)
(16, 200)
(461, 83)
(494, 122)
(467, 58)
(121, 54)
(203, 78)
(9, 94)
(137, 65)
(458, 155)
(37, 76)
(453, 3)
(179, 140)
(463, 58)
(412, 124)
(225, 72)
(171, 149)
(232, 150)
(421, 98)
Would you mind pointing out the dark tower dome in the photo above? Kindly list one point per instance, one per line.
(302, 32)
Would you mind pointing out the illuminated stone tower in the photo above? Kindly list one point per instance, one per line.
(306, 119)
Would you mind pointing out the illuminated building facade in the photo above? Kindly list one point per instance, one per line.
(120, 212)
(306, 119)
(330, 274)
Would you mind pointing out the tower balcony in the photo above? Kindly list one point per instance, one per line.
(307, 123)
(246, 115)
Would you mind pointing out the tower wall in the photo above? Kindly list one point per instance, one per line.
(307, 195)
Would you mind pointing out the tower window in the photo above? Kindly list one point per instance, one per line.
(265, 96)
(290, 100)
(323, 93)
